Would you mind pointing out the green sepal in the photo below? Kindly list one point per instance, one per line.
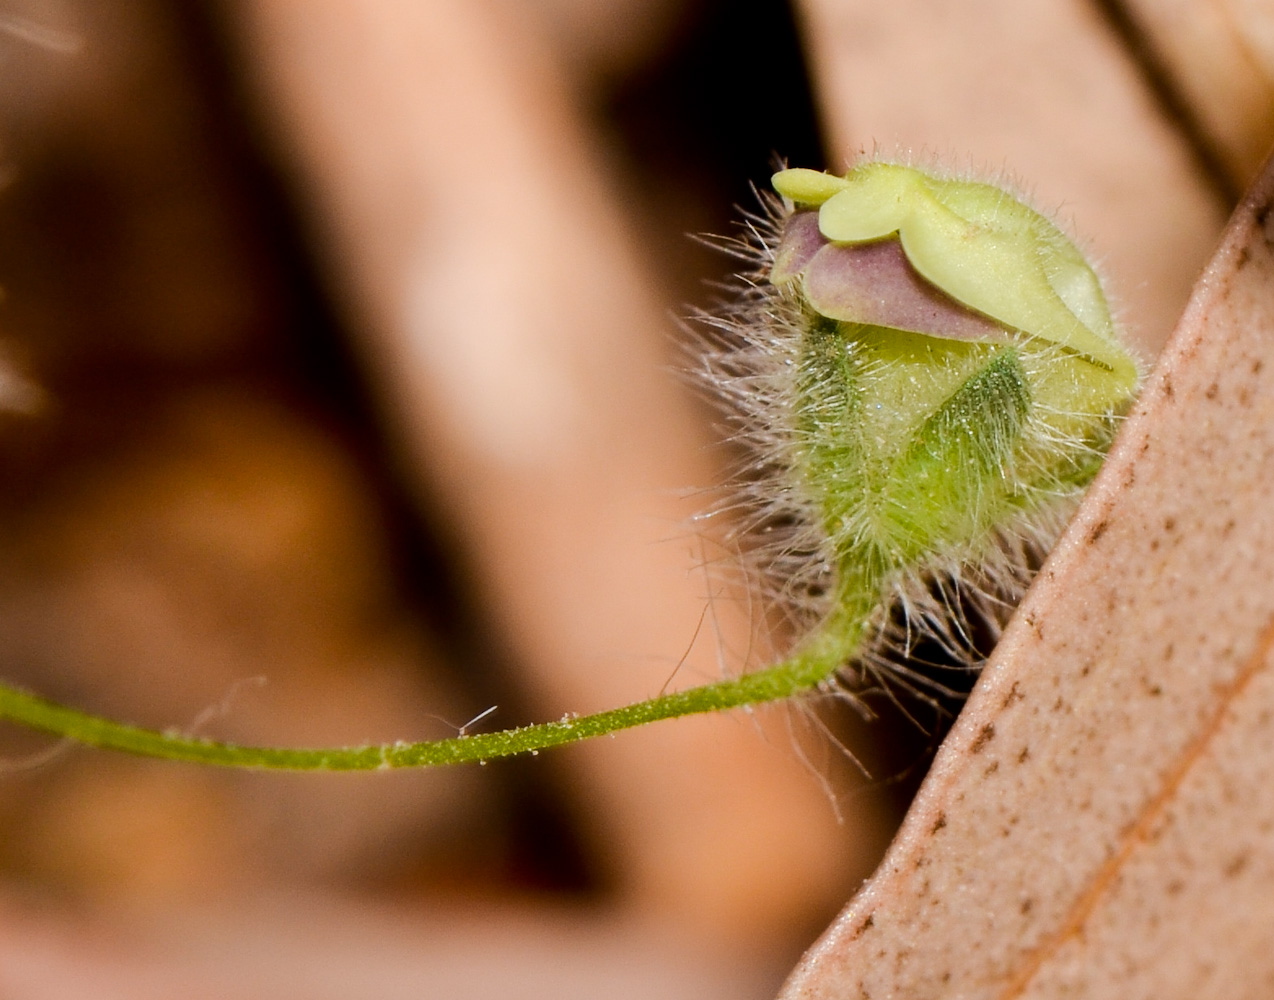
(955, 481)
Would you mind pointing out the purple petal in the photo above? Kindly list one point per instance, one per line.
(801, 240)
(875, 283)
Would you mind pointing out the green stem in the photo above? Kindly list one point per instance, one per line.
(801, 673)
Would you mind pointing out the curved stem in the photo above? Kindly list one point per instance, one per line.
(801, 673)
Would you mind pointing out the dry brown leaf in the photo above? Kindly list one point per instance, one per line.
(1082, 833)
(1100, 823)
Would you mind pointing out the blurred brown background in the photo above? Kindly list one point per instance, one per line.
(338, 403)
(342, 407)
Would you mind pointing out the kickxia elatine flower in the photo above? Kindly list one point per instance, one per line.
(926, 374)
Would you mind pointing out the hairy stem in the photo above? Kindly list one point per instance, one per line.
(801, 673)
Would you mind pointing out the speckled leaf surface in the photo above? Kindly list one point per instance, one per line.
(1100, 823)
